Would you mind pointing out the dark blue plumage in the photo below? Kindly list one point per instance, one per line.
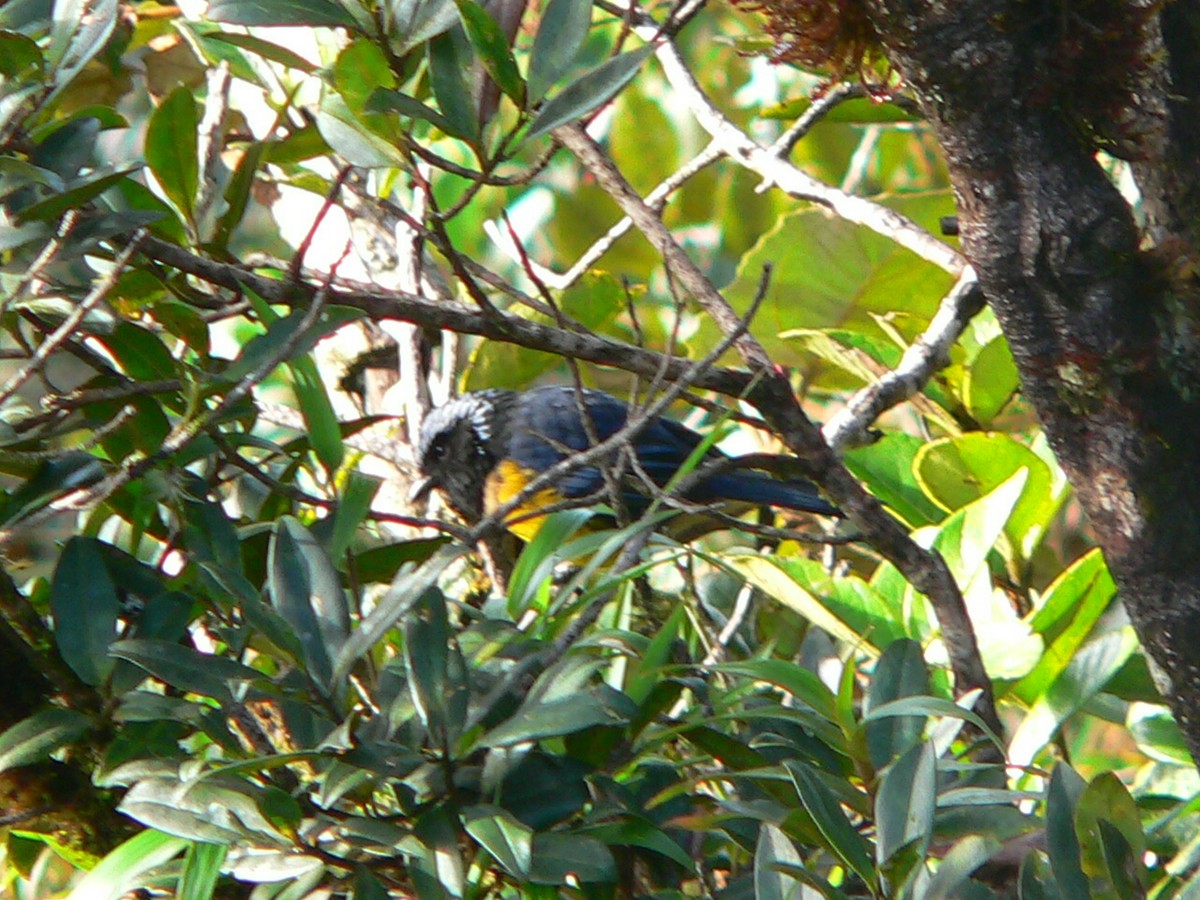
(482, 448)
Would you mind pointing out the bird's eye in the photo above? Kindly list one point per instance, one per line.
(438, 450)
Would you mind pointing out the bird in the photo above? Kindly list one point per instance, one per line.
(481, 449)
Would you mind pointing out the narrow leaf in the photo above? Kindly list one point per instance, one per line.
(562, 29)
(34, 739)
(589, 92)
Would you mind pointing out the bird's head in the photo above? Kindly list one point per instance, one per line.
(455, 451)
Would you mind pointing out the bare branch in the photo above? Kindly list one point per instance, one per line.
(925, 356)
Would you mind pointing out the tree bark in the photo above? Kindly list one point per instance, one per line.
(1100, 308)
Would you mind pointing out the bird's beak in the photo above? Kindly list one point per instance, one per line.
(420, 489)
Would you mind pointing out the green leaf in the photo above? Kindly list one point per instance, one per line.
(122, 869)
(320, 420)
(538, 558)
(1106, 801)
(863, 278)
(74, 197)
(957, 866)
(773, 852)
(1084, 592)
(32, 740)
(558, 857)
(840, 836)
(562, 29)
(1157, 733)
(20, 56)
(201, 870)
(792, 583)
(265, 49)
(184, 667)
(280, 12)
(886, 470)
(991, 381)
(382, 100)
(956, 471)
(536, 720)
(905, 803)
(491, 44)
(449, 65)
(350, 137)
(1087, 672)
(596, 301)
(171, 148)
(638, 832)
(436, 672)
(900, 673)
(85, 604)
(1062, 841)
(591, 91)
(802, 684)
(306, 590)
(509, 842)
(354, 505)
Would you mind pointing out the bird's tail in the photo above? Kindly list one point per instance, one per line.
(753, 487)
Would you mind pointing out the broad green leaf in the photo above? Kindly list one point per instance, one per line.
(350, 137)
(306, 590)
(955, 471)
(491, 44)
(840, 836)
(201, 870)
(19, 55)
(1062, 841)
(360, 70)
(562, 29)
(966, 538)
(861, 276)
(774, 851)
(200, 811)
(32, 740)
(184, 667)
(1106, 801)
(991, 381)
(900, 672)
(591, 91)
(280, 12)
(85, 604)
(538, 558)
(558, 857)
(382, 100)
(171, 148)
(886, 470)
(122, 869)
(509, 842)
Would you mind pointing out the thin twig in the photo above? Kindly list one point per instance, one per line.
(71, 322)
